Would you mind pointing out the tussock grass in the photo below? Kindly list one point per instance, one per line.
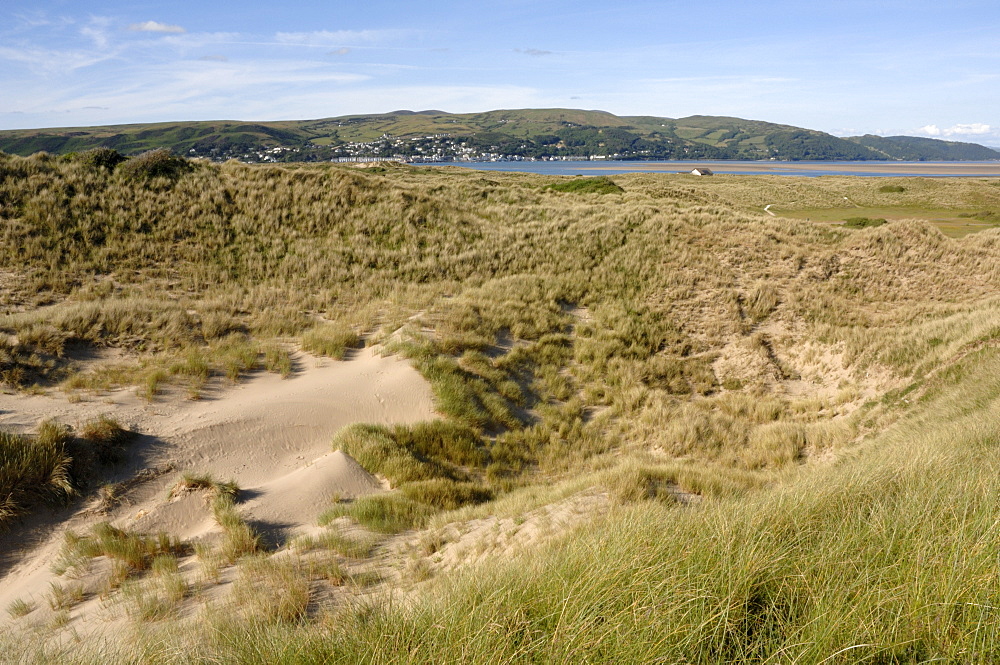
(445, 493)
(131, 553)
(270, 591)
(207, 482)
(665, 339)
(19, 608)
(905, 529)
(239, 539)
(385, 513)
(100, 442)
(64, 597)
(425, 451)
(332, 340)
(33, 469)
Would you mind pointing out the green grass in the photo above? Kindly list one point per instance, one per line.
(863, 222)
(594, 185)
(19, 608)
(385, 513)
(33, 469)
(131, 553)
(769, 403)
(952, 222)
(904, 531)
(330, 340)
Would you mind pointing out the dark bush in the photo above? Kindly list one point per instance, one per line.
(862, 222)
(106, 158)
(154, 164)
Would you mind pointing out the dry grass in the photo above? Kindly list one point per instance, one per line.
(660, 342)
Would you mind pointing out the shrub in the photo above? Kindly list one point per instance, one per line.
(106, 158)
(159, 163)
(862, 222)
(892, 189)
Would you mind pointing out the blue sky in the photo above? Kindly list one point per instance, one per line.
(846, 67)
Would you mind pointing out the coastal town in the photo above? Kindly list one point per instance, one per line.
(419, 149)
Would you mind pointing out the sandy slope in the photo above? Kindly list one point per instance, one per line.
(271, 436)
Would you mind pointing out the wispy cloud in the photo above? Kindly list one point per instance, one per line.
(343, 50)
(97, 31)
(341, 38)
(47, 62)
(156, 26)
(536, 52)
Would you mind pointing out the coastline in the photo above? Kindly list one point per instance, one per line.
(859, 168)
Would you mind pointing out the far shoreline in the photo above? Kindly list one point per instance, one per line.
(734, 167)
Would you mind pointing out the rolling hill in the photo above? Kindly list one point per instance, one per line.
(502, 134)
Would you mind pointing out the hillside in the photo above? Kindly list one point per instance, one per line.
(517, 134)
(912, 148)
(398, 414)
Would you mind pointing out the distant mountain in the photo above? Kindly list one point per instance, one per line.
(504, 134)
(913, 148)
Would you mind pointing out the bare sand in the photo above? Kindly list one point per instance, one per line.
(271, 435)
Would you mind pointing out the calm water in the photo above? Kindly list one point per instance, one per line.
(873, 169)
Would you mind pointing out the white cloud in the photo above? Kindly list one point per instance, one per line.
(156, 26)
(961, 129)
(972, 128)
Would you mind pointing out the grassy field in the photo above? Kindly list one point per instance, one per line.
(954, 223)
(791, 422)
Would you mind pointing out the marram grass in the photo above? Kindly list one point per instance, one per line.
(828, 392)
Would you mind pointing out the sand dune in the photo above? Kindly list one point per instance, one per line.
(272, 436)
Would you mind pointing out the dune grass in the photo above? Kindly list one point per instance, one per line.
(827, 392)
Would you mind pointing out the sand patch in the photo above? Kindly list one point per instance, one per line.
(271, 435)
(296, 499)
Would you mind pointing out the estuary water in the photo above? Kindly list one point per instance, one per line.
(874, 169)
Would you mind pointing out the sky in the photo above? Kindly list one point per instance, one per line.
(846, 67)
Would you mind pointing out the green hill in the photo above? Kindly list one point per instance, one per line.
(913, 148)
(521, 133)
